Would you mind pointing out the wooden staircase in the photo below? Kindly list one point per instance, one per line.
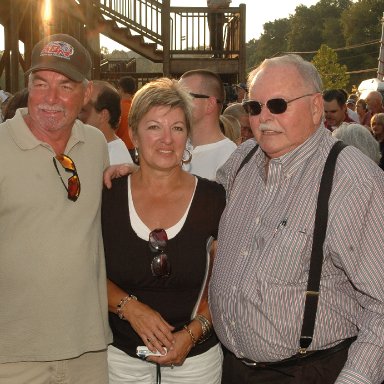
(177, 37)
(128, 30)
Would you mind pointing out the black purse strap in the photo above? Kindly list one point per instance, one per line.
(316, 263)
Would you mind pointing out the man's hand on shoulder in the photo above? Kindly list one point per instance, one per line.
(118, 170)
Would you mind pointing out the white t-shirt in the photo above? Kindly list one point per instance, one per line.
(208, 158)
(140, 227)
(118, 152)
(353, 115)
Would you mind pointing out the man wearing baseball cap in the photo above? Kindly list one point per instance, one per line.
(53, 321)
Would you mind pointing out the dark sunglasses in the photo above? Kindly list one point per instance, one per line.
(275, 106)
(160, 265)
(200, 96)
(67, 163)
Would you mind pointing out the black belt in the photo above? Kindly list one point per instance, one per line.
(308, 356)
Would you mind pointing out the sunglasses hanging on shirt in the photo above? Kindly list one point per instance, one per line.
(73, 188)
(160, 265)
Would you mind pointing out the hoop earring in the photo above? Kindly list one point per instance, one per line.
(189, 157)
(136, 155)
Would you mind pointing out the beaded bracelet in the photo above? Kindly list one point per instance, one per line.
(121, 305)
(193, 338)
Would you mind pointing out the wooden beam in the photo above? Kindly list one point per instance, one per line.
(4, 59)
(166, 36)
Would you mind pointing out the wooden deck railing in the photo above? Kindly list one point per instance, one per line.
(172, 33)
(186, 27)
(190, 31)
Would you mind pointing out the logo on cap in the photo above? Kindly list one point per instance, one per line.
(59, 49)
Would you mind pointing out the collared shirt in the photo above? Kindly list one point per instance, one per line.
(259, 279)
(53, 295)
(347, 119)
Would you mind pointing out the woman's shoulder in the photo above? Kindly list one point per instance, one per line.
(119, 185)
(210, 186)
(211, 198)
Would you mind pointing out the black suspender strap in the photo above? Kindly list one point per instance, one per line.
(247, 158)
(321, 218)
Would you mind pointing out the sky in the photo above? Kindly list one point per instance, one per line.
(258, 12)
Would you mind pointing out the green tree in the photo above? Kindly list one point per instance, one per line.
(306, 30)
(271, 43)
(332, 33)
(361, 25)
(361, 22)
(331, 71)
(251, 50)
(351, 28)
(316, 25)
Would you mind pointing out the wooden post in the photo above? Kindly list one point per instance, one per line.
(380, 68)
(92, 38)
(165, 31)
(12, 45)
(242, 57)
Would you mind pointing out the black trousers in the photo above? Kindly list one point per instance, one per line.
(216, 23)
(311, 370)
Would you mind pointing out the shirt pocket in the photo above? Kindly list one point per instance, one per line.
(286, 257)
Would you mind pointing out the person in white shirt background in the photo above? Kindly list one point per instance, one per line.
(208, 145)
(103, 112)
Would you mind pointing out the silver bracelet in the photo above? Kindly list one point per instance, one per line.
(121, 305)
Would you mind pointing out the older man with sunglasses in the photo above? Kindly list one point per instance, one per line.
(53, 318)
(259, 290)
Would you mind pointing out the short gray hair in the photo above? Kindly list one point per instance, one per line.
(307, 70)
(360, 137)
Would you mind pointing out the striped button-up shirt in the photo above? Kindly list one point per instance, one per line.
(258, 285)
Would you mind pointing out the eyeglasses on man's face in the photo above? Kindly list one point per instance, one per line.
(276, 106)
(73, 188)
(202, 96)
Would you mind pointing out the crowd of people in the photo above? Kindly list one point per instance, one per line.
(236, 245)
(345, 116)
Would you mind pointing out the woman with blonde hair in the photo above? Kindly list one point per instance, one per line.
(158, 224)
(231, 128)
